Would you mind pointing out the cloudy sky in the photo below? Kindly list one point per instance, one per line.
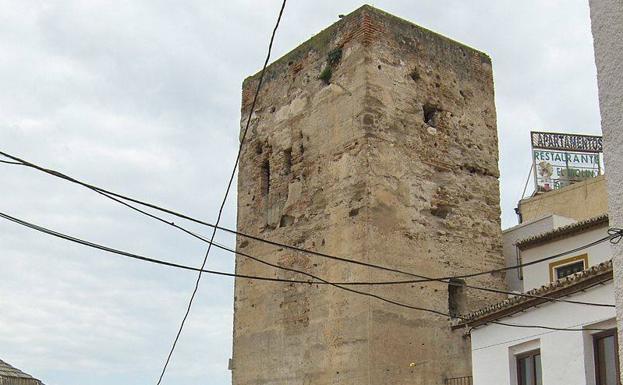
(143, 97)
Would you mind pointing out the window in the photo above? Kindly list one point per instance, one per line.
(565, 267)
(265, 178)
(457, 298)
(606, 358)
(569, 269)
(529, 368)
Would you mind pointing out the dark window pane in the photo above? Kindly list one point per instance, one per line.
(606, 361)
(537, 369)
(569, 269)
(529, 368)
(526, 371)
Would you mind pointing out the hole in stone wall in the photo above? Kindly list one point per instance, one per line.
(258, 148)
(415, 75)
(300, 143)
(353, 212)
(430, 114)
(265, 175)
(287, 161)
(456, 297)
(441, 211)
(286, 220)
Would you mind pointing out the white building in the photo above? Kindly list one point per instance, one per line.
(607, 26)
(525, 230)
(503, 354)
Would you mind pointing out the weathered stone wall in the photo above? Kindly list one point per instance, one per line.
(607, 26)
(580, 201)
(394, 163)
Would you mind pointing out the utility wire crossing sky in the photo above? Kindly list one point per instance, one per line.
(144, 97)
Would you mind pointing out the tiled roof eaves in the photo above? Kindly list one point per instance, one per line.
(560, 288)
(563, 231)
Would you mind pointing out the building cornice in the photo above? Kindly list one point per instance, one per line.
(563, 232)
(583, 280)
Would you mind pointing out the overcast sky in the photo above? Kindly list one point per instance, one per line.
(143, 97)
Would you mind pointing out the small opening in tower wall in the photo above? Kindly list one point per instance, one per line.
(415, 75)
(430, 113)
(265, 175)
(456, 297)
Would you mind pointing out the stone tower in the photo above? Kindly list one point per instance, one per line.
(375, 140)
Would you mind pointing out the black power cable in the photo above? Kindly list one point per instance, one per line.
(185, 267)
(9, 162)
(614, 236)
(372, 283)
(140, 257)
(179, 266)
(229, 183)
(547, 327)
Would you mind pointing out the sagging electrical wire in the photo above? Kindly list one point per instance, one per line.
(614, 235)
(260, 278)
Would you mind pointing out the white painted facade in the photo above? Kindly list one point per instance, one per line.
(522, 231)
(566, 357)
(538, 275)
(607, 26)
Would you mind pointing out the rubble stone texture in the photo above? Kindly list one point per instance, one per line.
(375, 141)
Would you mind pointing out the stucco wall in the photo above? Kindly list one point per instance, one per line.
(566, 357)
(579, 201)
(522, 231)
(537, 275)
(607, 25)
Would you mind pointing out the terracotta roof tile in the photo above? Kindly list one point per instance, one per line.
(563, 231)
(559, 288)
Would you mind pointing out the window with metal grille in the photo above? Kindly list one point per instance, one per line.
(466, 380)
(569, 269)
(562, 268)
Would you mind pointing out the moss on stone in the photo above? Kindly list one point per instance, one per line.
(326, 74)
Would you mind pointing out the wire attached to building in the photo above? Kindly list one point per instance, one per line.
(368, 283)
(613, 234)
(527, 338)
(252, 277)
(546, 327)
